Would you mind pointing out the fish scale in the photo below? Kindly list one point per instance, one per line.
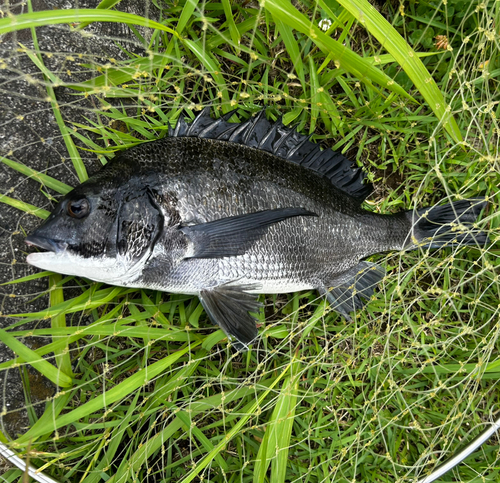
(277, 187)
(226, 211)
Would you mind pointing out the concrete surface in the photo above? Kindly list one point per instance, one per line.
(30, 135)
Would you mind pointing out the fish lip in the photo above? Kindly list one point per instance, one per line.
(49, 244)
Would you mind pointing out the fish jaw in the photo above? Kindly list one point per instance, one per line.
(99, 270)
(114, 271)
(52, 259)
(55, 246)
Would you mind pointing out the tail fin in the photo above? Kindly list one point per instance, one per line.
(447, 225)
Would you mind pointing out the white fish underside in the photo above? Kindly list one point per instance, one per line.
(111, 271)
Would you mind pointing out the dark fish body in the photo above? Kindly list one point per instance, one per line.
(207, 180)
(225, 211)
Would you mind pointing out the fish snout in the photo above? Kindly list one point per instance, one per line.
(49, 244)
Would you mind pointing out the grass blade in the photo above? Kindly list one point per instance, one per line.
(276, 442)
(63, 359)
(21, 205)
(55, 375)
(74, 155)
(117, 393)
(141, 455)
(405, 56)
(343, 57)
(35, 276)
(119, 75)
(292, 48)
(186, 15)
(207, 445)
(213, 69)
(43, 179)
(104, 4)
(233, 31)
(233, 432)
(315, 95)
(53, 17)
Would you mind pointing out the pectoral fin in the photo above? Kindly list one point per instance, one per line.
(230, 308)
(234, 235)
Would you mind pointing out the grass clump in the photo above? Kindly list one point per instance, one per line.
(146, 388)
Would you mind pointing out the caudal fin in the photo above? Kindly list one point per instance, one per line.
(447, 225)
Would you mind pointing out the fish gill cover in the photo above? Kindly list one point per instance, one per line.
(120, 384)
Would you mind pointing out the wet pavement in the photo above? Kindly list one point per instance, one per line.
(29, 135)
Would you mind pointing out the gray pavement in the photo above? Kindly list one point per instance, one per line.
(30, 135)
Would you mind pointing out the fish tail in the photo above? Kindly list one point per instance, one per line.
(453, 224)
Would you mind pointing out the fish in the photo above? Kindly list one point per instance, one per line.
(227, 211)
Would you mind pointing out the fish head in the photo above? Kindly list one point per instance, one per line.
(105, 229)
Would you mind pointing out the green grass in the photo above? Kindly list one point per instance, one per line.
(149, 389)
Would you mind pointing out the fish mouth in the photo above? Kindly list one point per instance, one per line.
(48, 244)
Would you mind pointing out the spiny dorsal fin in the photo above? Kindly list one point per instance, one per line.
(281, 141)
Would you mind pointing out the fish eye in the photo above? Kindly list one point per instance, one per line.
(78, 208)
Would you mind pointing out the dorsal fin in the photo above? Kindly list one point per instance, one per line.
(281, 141)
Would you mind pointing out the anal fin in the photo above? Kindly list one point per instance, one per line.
(230, 307)
(351, 290)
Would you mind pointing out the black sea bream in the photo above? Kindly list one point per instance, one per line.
(226, 211)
